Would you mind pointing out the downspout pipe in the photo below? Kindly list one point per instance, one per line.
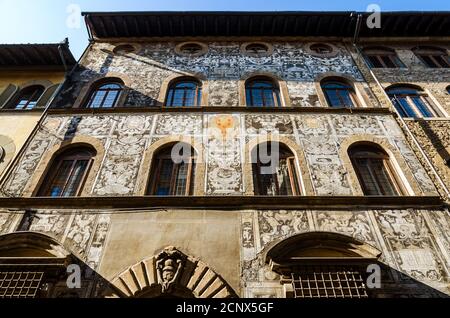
(405, 126)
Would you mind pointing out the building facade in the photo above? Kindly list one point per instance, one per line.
(29, 77)
(239, 155)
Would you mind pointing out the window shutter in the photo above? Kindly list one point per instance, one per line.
(7, 94)
(46, 96)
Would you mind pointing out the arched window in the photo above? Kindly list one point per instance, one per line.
(448, 89)
(374, 170)
(67, 174)
(323, 265)
(173, 170)
(379, 57)
(105, 95)
(432, 57)
(412, 102)
(274, 171)
(339, 93)
(184, 93)
(262, 92)
(28, 97)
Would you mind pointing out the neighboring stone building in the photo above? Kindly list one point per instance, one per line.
(29, 77)
(153, 199)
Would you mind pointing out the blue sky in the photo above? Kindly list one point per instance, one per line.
(35, 21)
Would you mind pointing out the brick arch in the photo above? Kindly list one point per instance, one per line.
(192, 278)
(399, 164)
(302, 165)
(174, 77)
(145, 168)
(284, 92)
(49, 156)
(358, 87)
(87, 87)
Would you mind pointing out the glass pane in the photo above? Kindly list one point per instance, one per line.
(181, 179)
(345, 98)
(110, 99)
(268, 98)
(383, 179)
(333, 98)
(374, 61)
(97, 98)
(368, 182)
(76, 178)
(388, 61)
(421, 106)
(403, 107)
(442, 60)
(165, 174)
(429, 61)
(283, 178)
(60, 179)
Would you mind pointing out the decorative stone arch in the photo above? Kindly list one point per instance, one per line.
(170, 273)
(200, 165)
(7, 152)
(319, 252)
(282, 85)
(399, 164)
(95, 80)
(305, 181)
(178, 76)
(358, 87)
(49, 156)
(31, 244)
(317, 244)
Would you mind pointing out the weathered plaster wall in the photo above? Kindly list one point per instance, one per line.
(432, 134)
(222, 66)
(126, 137)
(413, 242)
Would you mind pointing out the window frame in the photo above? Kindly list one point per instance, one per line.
(250, 92)
(294, 184)
(171, 91)
(37, 91)
(424, 98)
(430, 54)
(382, 56)
(372, 153)
(83, 154)
(98, 88)
(164, 154)
(348, 88)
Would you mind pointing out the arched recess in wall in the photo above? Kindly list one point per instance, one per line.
(278, 82)
(88, 89)
(144, 175)
(170, 274)
(305, 183)
(168, 82)
(32, 260)
(361, 97)
(7, 152)
(399, 165)
(321, 264)
(39, 176)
